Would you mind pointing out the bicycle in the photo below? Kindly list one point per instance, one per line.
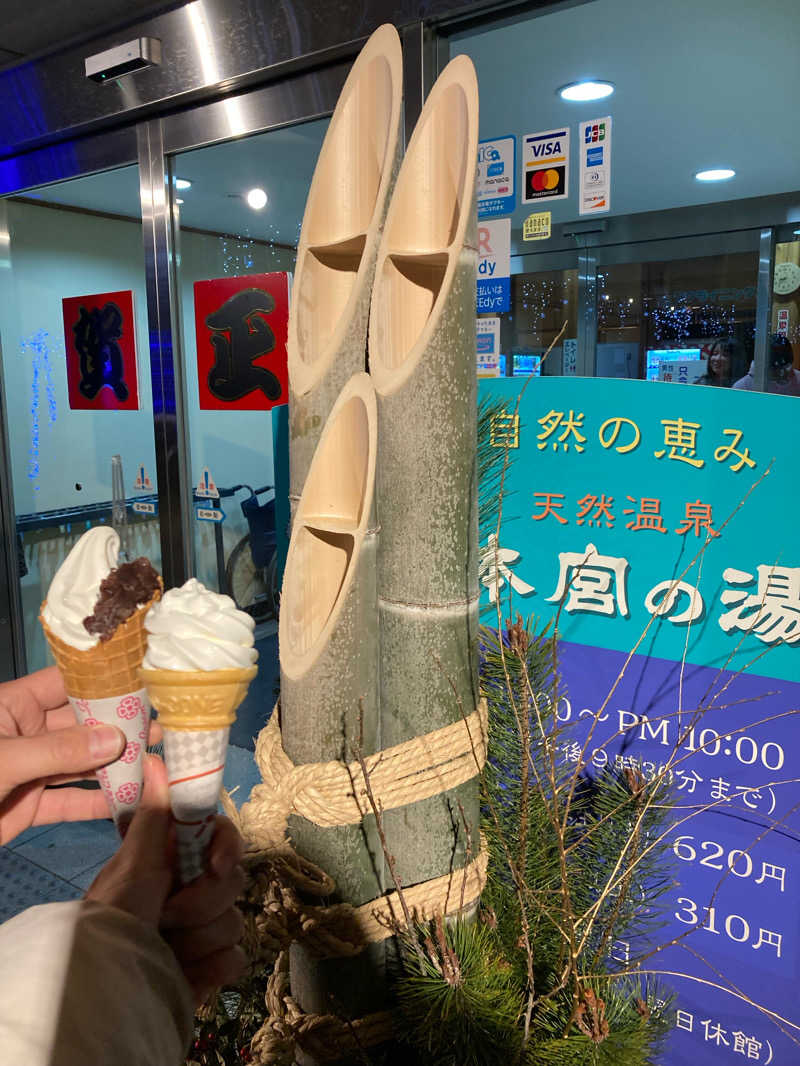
(251, 571)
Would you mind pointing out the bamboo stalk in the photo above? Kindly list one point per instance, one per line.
(422, 360)
(329, 670)
(339, 239)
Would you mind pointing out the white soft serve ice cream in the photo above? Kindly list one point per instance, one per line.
(75, 588)
(192, 628)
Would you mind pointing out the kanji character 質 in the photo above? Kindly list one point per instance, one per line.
(610, 430)
(772, 612)
(570, 424)
(591, 582)
(662, 598)
(601, 504)
(697, 517)
(493, 570)
(725, 451)
(548, 506)
(681, 439)
(649, 516)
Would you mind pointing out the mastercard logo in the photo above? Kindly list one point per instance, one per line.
(545, 180)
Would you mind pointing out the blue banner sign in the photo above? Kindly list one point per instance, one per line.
(658, 524)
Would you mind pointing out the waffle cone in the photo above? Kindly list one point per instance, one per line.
(197, 699)
(111, 667)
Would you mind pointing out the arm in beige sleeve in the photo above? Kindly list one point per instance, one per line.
(83, 984)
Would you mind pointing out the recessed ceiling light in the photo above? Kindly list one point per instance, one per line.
(257, 199)
(796, 232)
(182, 183)
(720, 174)
(178, 200)
(581, 91)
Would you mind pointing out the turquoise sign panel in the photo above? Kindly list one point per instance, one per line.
(652, 512)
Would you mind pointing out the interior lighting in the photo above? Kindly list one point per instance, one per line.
(182, 183)
(178, 200)
(581, 91)
(720, 174)
(796, 232)
(257, 199)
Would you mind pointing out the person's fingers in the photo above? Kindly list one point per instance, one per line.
(222, 968)
(156, 733)
(60, 718)
(203, 900)
(66, 751)
(46, 686)
(139, 877)
(193, 944)
(227, 847)
(71, 805)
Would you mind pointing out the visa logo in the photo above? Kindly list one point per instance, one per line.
(546, 148)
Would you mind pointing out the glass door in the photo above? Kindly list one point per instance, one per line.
(239, 206)
(75, 364)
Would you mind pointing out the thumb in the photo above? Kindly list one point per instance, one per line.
(63, 751)
(138, 878)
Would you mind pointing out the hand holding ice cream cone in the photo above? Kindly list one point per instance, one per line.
(93, 619)
(199, 663)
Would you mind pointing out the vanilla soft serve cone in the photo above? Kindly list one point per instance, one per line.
(199, 663)
(93, 619)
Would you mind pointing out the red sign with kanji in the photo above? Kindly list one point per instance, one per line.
(100, 342)
(242, 325)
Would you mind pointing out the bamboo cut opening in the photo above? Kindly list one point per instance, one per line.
(343, 198)
(329, 274)
(334, 494)
(321, 558)
(332, 517)
(425, 226)
(428, 199)
(411, 285)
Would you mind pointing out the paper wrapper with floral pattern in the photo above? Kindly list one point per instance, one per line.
(103, 686)
(196, 709)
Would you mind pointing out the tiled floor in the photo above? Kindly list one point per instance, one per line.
(53, 863)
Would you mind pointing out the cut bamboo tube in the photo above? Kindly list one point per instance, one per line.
(339, 239)
(329, 676)
(422, 361)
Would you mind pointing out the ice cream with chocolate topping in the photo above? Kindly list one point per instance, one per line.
(199, 663)
(93, 619)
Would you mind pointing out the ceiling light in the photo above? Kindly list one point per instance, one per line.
(257, 199)
(182, 183)
(796, 232)
(178, 200)
(721, 174)
(581, 91)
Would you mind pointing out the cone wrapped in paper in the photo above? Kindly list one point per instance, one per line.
(103, 686)
(196, 709)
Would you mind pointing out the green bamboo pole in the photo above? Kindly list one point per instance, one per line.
(339, 239)
(422, 361)
(329, 678)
